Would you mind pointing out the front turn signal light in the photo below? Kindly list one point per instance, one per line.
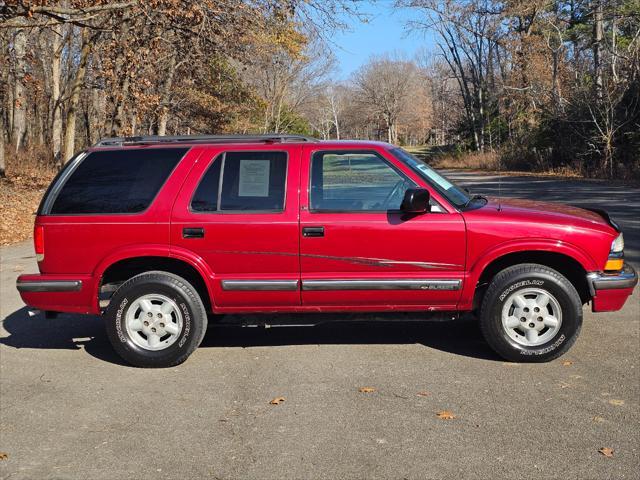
(614, 264)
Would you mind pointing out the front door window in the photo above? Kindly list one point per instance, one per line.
(355, 182)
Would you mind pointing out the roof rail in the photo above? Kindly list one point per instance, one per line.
(157, 139)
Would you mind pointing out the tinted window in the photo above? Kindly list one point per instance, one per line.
(206, 197)
(251, 181)
(355, 181)
(116, 181)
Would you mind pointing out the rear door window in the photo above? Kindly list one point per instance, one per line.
(243, 182)
(116, 181)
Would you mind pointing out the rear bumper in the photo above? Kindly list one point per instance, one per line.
(58, 293)
(49, 285)
(609, 292)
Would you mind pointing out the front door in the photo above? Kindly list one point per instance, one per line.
(238, 212)
(356, 247)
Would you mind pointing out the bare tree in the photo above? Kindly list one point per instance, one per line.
(383, 86)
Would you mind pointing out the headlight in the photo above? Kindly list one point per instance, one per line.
(617, 246)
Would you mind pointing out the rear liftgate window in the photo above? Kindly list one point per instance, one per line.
(116, 181)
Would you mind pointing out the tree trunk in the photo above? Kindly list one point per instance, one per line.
(117, 126)
(122, 88)
(76, 86)
(19, 100)
(2, 164)
(56, 127)
(597, 48)
(165, 97)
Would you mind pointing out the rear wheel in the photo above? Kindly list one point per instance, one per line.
(530, 313)
(156, 319)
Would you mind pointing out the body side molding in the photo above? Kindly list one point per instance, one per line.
(263, 285)
(391, 284)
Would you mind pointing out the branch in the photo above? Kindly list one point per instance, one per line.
(15, 18)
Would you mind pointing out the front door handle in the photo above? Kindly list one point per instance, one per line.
(313, 231)
(193, 232)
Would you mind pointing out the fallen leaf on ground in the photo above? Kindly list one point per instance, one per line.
(3, 456)
(616, 402)
(423, 394)
(606, 451)
(366, 389)
(598, 419)
(19, 198)
(445, 415)
(277, 401)
(567, 363)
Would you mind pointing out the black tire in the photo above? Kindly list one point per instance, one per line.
(521, 277)
(194, 318)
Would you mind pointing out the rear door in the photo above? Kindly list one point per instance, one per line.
(356, 247)
(238, 211)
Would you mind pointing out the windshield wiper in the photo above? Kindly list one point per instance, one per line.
(474, 197)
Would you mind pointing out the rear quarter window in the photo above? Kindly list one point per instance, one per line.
(116, 181)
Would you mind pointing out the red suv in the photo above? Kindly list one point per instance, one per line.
(160, 233)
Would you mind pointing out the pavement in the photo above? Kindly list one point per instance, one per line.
(69, 409)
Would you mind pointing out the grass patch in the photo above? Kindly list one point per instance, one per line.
(448, 157)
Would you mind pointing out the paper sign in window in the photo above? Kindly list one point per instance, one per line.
(254, 178)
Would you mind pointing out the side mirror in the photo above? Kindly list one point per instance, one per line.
(416, 200)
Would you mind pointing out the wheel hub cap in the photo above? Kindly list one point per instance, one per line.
(531, 316)
(154, 322)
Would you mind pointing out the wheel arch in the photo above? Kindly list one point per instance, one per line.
(574, 268)
(117, 269)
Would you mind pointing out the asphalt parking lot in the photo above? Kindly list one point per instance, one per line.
(70, 409)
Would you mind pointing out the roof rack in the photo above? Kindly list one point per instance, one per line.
(157, 139)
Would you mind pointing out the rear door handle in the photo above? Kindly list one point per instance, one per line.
(313, 231)
(193, 232)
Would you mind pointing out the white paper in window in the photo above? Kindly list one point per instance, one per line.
(254, 178)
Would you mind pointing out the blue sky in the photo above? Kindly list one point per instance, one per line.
(384, 33)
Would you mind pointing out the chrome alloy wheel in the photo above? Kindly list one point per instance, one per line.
(154, 322)
(531, 317)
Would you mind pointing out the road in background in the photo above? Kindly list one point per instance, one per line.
(70, 409)
(622, 201)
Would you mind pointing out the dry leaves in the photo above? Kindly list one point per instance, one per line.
(606, 451)
(3, 456)
(423, 394)
(277, 401)
(567, 363)
(445, 415)
(616, 402)
(19, 201)
(366, 389)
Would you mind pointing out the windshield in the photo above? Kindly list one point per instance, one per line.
(456, 195)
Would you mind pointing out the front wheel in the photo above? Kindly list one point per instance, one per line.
(530, 313)
(156, 319)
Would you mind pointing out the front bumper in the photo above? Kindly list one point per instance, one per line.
(608, 291)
